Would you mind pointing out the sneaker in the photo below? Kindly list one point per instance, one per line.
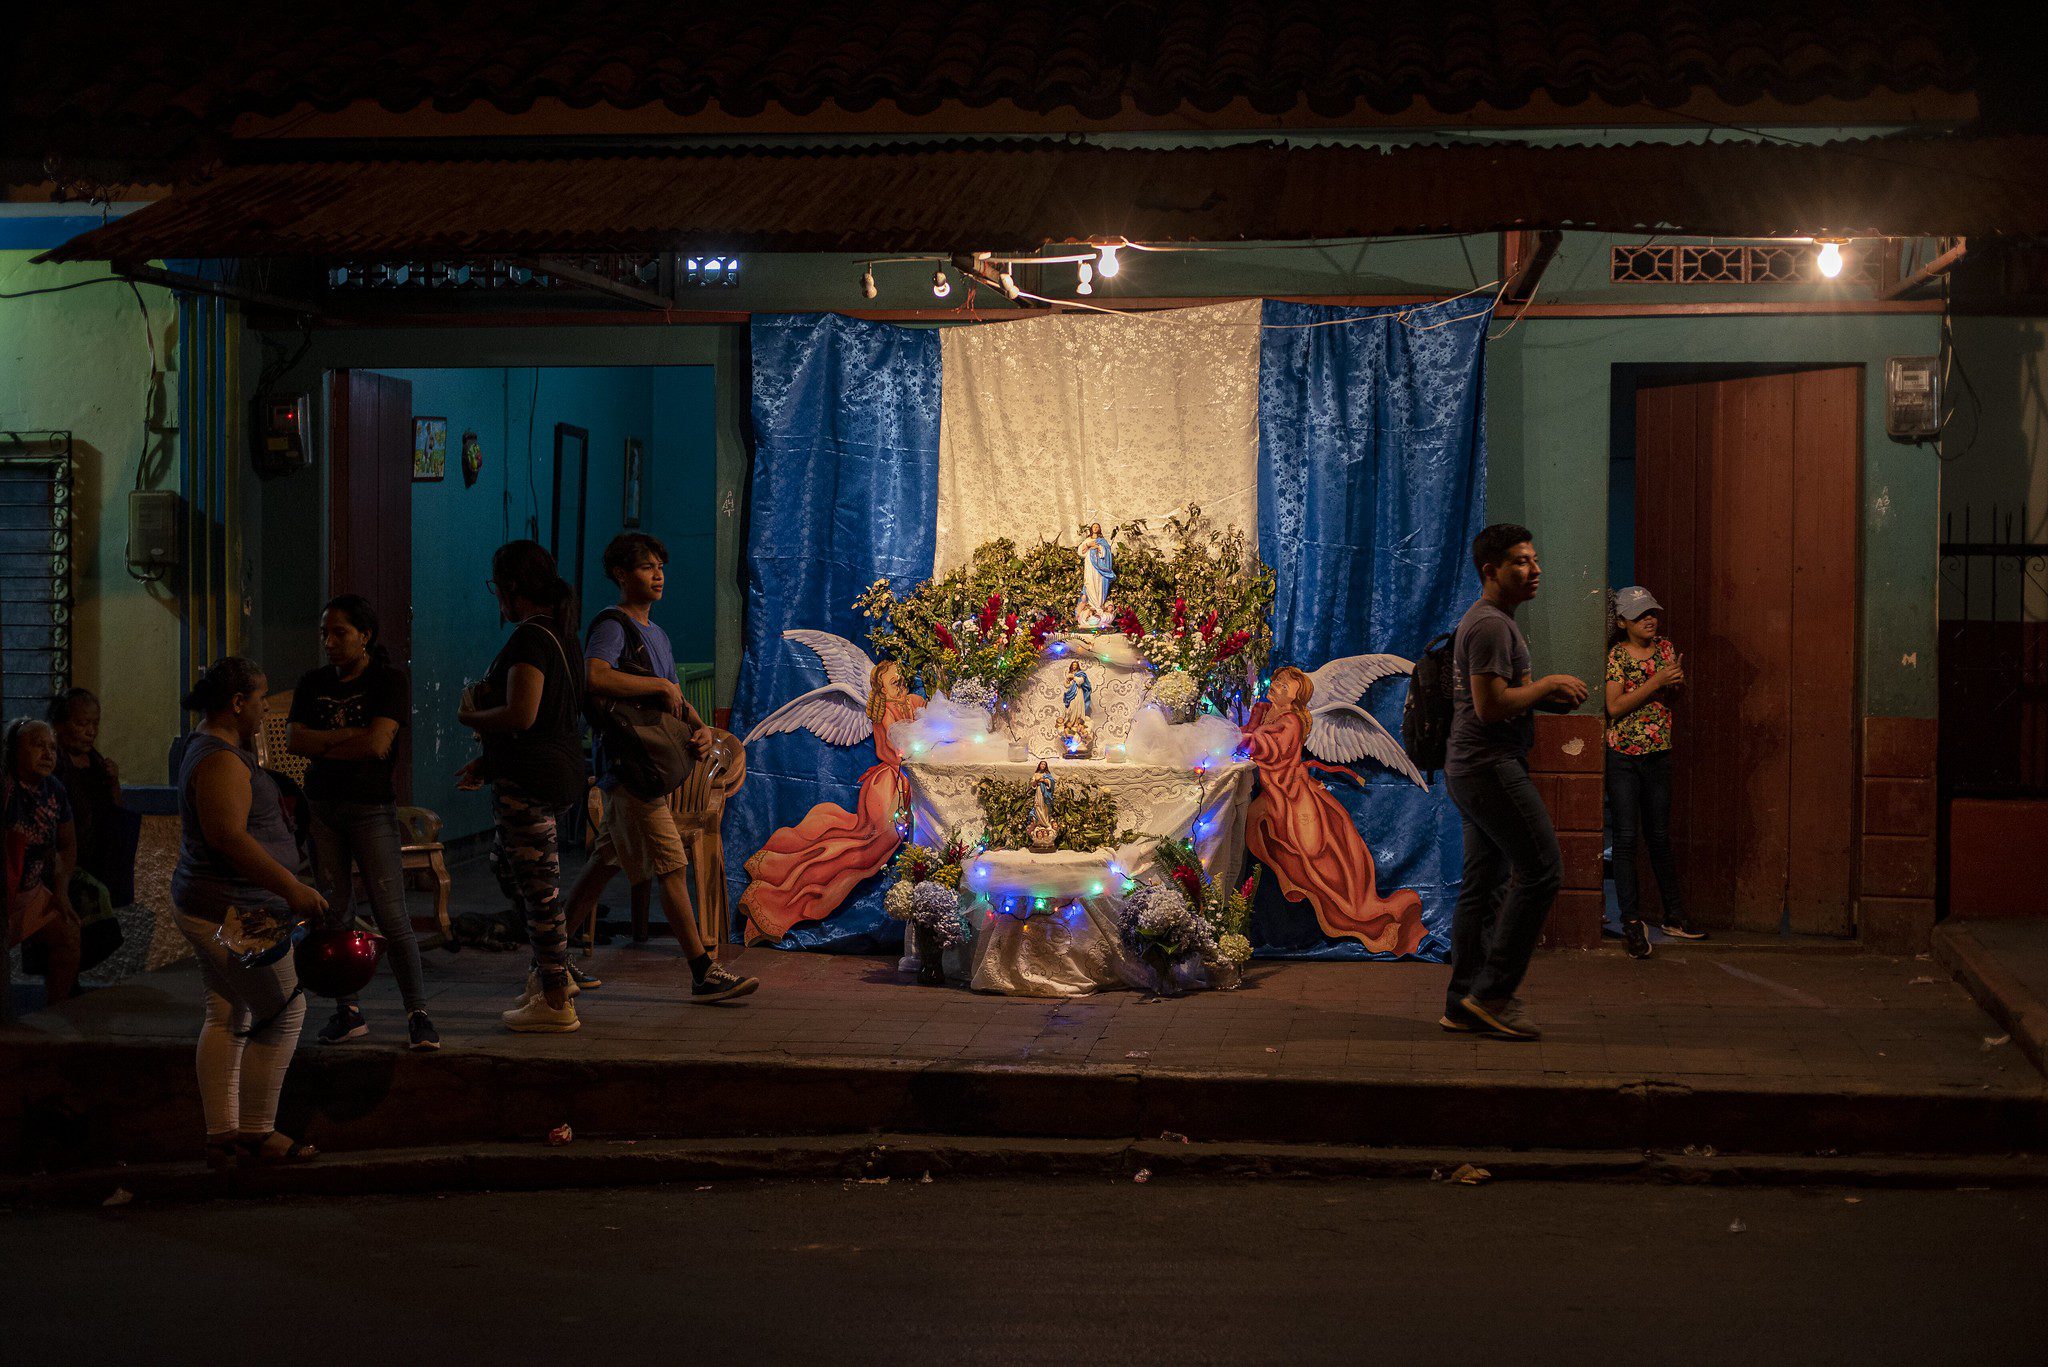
(536, 1017)
(1502, 1018)
(346, 1023)
(421, 1030)
(1458, 1020)
(532, 988)
(1638, 937)
(582, 979)
(721, 984)
(1679, 930)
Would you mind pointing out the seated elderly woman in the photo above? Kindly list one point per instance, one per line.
(41, 849)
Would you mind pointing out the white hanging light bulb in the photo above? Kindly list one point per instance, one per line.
(941, 286)
(1009, 284)
(1830, 259)
(867, 283)
(1109, 266)
(1087, 285)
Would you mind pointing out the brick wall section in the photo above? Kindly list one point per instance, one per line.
(1895, 871)
(1568, 765)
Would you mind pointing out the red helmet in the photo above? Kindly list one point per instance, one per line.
(338, 962)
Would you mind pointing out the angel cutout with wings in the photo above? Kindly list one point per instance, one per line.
(804, 872)
(1298, 830)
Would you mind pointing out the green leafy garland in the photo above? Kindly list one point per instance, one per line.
(1085, 814)
(1191, 598)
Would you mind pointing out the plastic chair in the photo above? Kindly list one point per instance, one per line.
(421, 852)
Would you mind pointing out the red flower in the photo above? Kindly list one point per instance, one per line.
(1250, 886)
(1127, 622)
(1190, 883)
(917, 871)
(1010, 622)
(989, 610)
(1042, 628)
(1180, 616)
(1236, 641)
(945, 637)
(1208, 626)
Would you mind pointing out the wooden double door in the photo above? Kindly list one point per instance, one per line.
(1747, 505)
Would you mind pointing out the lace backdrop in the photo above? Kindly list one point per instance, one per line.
(1088, 417)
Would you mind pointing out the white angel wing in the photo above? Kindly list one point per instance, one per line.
(1347, 679)
(846, 664)
(1344, 733)
(834, 714)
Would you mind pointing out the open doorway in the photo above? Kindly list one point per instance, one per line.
(432, 469)
(1743, 484)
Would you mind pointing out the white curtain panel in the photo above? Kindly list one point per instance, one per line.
(1057, 421)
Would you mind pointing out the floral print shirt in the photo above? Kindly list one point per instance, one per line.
(1647, 730)
(34, 817)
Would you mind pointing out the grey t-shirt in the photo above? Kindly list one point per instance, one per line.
(1488, 642)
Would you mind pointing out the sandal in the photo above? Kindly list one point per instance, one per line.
(222, 1155)
(258, 1150)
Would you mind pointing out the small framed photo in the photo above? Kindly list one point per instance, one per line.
(633, 502)
(429, 448)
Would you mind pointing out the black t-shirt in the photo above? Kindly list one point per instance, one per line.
(545, 761)
(1488, 642)
(325, 701)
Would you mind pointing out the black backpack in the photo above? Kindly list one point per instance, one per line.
(646, 746)
(1426, 717)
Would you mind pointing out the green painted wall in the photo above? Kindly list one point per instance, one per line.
(1548, 415)
(1996, 455)
(80, 360)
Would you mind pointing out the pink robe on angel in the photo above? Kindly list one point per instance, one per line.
(1301, 833)
(804, 872)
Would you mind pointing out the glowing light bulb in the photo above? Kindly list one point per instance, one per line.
(1109, 266)
(941, 286)
(1009, 284)
(1830, 259)
(1087, 285)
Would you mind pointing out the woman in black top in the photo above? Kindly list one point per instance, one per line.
(345, 718)
(528, 714)
(106, 829)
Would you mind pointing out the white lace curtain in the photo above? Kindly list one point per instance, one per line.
(1096, 418)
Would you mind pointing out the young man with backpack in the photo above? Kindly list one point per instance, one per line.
(629, 658)
(1510, 845)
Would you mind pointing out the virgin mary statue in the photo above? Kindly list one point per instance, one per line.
(1097, 568)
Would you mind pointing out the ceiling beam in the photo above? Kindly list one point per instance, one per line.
(603, 284)
(1940, 265)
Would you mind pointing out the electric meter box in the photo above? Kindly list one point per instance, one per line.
(1912, 397)
(153, 528)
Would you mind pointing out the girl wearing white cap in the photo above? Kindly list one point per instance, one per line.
(1644, 674)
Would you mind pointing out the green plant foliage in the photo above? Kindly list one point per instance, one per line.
(1085, 814)
(985, 620)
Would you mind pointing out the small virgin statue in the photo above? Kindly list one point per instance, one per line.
(1079, 698)
(1041, 796)
(1098, 570)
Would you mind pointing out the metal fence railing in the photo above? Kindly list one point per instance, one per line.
(1994, 656)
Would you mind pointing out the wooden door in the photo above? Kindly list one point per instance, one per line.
(1746, 530)
(369, 513)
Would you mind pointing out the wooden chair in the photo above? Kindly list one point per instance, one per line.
(273, 748)
(710, 783)
(422, 853)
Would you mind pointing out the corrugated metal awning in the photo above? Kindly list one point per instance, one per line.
(1017, 196)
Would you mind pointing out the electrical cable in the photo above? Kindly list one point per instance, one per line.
(149, 399)
(59, 289)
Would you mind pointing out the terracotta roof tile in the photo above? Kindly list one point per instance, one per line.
(1331, 56)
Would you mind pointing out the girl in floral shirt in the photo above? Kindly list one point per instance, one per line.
(1645, 672)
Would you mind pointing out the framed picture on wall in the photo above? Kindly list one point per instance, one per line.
(634, 498)
(430, 448)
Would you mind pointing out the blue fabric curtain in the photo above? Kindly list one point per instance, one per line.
(1372, 484)
(845, 492)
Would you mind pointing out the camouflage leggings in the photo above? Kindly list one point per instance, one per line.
(527, 846)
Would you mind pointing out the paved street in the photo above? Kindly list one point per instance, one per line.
(1051, 1271)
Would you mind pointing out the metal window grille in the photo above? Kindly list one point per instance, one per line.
(35, 570)
(659, 273)
(1770, 263)
(1994, 655)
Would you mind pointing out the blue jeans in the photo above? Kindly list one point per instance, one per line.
(364, 836)
(1512, 873)
(1639, 804)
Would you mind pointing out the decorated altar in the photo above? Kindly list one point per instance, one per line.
(1026, 715)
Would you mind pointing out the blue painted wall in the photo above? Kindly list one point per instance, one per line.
(514, 412)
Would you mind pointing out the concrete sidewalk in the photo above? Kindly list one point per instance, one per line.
(1765, 1050)
(2004, 966)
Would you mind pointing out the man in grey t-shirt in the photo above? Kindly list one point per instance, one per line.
(1507, 830)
